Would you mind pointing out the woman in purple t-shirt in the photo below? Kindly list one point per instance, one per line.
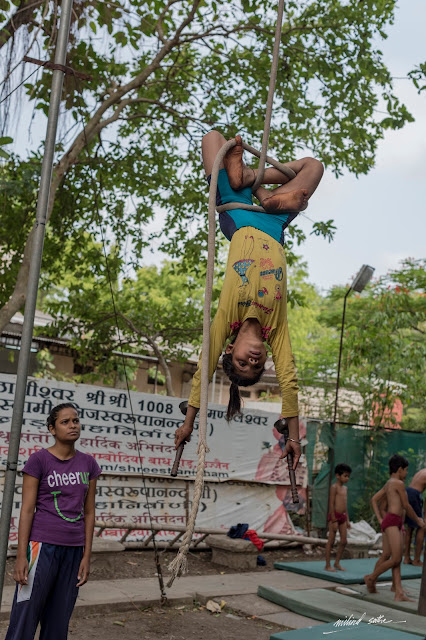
(55, 532)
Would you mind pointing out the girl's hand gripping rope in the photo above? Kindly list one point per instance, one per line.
(182, 436)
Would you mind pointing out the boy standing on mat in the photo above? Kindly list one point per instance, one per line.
(392, 524)
(414, 495)
(337, 516)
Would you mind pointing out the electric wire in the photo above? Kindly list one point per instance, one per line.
(123, 360)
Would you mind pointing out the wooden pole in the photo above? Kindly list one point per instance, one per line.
(422, 599)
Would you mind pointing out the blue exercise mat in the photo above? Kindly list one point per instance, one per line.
(360, 632)
(343, 611)
(385, 596)
(354, 574)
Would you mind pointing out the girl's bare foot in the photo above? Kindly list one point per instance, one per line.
(370, 584)
(329, 568)
(339, 567)
(408, 561)
(239, 175)
(417, 563)
(401, 597)
(291, 201)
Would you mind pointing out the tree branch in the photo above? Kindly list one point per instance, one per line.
(23, 15)
(154, 346)
(83, 139)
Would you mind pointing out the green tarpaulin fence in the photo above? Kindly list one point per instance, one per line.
(367, 452)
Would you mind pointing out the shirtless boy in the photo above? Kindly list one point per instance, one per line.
(391, 525)
(337, 516)
(414, 495)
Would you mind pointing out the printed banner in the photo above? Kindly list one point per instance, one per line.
(246, 450)
(125, 499)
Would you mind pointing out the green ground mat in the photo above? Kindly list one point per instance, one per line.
(330, 606)
(355, 570)
(386, 596)
(360, 632)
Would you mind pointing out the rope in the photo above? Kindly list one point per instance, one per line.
(61, 67)
(179, 565)
(272, 82)
(289, 173)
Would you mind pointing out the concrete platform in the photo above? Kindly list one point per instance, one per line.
(237, 554)
(255, 606)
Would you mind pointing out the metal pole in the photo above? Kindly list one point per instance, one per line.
(32, 287)
(336, 397)
(213, 387)
(422, 599)
(340, 356)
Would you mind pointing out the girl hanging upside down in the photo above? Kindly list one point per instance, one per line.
(253, 302)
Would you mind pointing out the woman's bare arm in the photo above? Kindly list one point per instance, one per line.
(89, 525)
(29, 498)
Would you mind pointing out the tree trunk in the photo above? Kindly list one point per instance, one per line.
(19, 294)
(17, 299)
(23, 15)
(93, 127)
(164, 366)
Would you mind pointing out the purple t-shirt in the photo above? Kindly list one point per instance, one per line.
(59, 515)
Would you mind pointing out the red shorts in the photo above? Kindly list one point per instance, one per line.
(340, 517)
(392, 520)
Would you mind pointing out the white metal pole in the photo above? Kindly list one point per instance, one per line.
(32, 287)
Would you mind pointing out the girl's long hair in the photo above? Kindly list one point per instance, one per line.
(234, 404)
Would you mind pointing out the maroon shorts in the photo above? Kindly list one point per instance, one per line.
(340, 517)
(392, 520)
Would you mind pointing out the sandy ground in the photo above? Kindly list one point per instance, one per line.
(174, 623)
(189, 622)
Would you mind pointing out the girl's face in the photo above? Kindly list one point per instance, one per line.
(67, 426)
(248, 355)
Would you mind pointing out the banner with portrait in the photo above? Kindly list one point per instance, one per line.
(131, 436)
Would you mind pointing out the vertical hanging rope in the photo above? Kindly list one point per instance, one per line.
(272, 83)
(179, 565)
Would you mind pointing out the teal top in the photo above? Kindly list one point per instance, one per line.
(274, 224)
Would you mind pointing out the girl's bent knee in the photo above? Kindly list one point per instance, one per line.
(211, 135)
(316, 165)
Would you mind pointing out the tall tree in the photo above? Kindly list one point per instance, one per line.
(313, 342)
(158, 312)
(163, 73)
(384, 344)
